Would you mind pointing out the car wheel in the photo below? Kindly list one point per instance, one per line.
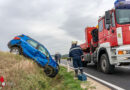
(50, 71)
(105, 65)
(15, 50)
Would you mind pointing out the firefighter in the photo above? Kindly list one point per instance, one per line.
(58, 57)
(75, 53)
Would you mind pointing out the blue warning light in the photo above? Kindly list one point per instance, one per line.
(122, 4)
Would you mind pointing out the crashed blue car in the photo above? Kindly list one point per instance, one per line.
(24, 45)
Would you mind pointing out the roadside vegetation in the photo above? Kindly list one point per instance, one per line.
(65, 56)
(21, 73)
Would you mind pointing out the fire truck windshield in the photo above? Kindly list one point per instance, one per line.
(123, 16)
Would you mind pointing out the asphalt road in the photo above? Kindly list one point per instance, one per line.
(121, 76)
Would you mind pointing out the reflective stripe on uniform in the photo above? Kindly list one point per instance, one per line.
(76, 68)
(75, 49)
(80, 67)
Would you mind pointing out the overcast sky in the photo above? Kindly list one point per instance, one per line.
(54, 23)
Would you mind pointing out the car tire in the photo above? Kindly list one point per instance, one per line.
(15, 50)
(50, 71)
(105, 64)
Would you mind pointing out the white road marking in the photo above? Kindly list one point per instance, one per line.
(100, 80)
(105, 82)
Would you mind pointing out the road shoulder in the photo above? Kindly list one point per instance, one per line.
(92, 82)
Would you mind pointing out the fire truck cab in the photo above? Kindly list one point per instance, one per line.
(114, 39)
(109, 45)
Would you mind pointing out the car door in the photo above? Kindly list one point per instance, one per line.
(31, 48)
(43, 55)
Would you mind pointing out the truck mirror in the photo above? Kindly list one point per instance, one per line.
(107, 17)
(108, 27)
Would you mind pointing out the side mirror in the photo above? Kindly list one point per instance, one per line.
(107, 17)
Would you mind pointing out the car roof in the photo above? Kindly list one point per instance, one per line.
(31, 39)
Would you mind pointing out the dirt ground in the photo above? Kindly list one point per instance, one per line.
(98, 85)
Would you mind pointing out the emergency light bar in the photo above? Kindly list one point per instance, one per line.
(122, 4)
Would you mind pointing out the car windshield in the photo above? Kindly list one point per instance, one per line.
(123, 16)
(43, 50)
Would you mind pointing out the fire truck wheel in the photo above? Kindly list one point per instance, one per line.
(105, 65)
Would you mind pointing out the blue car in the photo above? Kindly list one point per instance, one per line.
(24, 45)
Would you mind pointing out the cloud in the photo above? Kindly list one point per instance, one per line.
(84, 13)
(54, 23)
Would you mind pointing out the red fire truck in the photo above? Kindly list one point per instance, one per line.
(109, 44)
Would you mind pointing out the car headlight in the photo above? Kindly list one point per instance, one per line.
(123, 52)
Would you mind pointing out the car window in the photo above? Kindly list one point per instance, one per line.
(32, 43)
(101, 25)
(43, 50)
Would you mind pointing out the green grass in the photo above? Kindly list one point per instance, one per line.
(63, 81)
(23, 74)
(69, 82)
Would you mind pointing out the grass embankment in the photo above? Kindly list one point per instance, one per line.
(23, 74)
